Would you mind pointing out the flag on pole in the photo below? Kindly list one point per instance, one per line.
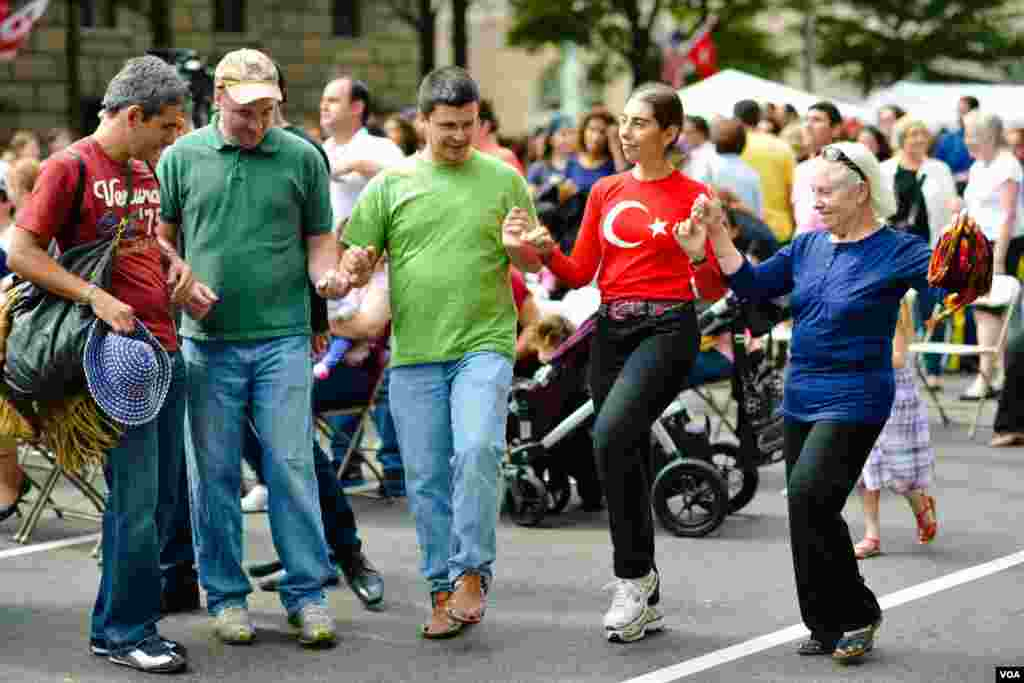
(697, 55)
(15, 25)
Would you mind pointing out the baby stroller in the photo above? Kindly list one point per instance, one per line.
(549, 441)
(757, 391)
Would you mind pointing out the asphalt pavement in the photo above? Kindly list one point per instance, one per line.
(725, 597)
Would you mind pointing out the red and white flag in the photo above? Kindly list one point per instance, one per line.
(696, 55)
(15, 25)
(702, 53)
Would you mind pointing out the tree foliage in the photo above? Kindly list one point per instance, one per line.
(878, 42)
(625, 33)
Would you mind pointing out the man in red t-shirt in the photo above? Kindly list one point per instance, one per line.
(141, 111)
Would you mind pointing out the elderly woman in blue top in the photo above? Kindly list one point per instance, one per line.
(845, 283)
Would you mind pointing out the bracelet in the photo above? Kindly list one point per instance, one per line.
(697, 262)
(89, 294)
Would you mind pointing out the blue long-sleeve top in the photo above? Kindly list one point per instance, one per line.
(845, 299)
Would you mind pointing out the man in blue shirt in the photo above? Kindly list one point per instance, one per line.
(951, 147)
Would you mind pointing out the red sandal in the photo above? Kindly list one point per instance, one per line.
(868, 547)
(927, 525)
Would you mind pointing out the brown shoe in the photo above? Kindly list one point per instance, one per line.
(441, 625)
(469, 601)
(1007, 439)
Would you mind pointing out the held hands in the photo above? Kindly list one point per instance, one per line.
(519, 231)
(333, 285)
(356, 267)
(180, 280)
(706, 221)
(200, 300)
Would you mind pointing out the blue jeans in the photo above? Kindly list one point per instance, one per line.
(451, 418)
(269, 381)
(145, 523)
(339, 520)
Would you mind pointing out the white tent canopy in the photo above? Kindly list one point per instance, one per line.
(716, 95)
(935, 103)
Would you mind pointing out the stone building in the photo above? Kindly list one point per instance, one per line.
(312, 39)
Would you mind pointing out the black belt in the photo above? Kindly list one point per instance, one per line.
(628, 310)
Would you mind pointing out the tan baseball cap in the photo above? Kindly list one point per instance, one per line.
(248, 75)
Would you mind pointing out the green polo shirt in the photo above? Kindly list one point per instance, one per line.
(244, 215)
(448, 269)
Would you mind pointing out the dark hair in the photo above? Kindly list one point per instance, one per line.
(487, 115)
(408, 142)
(972, 102)
(897, 111)
(747, 111)
(451, 86)
(281, 83)
(361, 92)
(666, 105)
(149, 82)
(884, 148)
(701, 124)
(585, 121)
(830, 110)
(730, 136)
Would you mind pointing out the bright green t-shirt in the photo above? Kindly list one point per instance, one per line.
(448, 270)
(244, 216)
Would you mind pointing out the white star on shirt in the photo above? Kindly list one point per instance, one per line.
(657, 227)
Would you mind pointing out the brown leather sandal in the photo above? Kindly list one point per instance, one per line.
(440, 626)
(469, 601)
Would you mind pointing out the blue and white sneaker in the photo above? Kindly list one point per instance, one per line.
(153, 655)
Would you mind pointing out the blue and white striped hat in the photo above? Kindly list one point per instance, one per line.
(128, 375)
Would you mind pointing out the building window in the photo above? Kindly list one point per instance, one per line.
(98, 13)
(346, 18)
(229, 16)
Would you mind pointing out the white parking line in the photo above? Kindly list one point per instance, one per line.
(52, 545)
(766, 642)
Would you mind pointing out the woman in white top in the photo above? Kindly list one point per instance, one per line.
(926, 192)
(993, 199)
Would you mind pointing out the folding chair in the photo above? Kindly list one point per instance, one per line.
(363, 412)
(1005, 294)
(44, 498)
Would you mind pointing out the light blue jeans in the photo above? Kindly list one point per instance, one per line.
(450, 419)
(269, 381)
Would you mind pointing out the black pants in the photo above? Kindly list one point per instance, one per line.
(823, 462)
(1010, 415)
(637, 367)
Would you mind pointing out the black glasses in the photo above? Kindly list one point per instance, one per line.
(836, 154)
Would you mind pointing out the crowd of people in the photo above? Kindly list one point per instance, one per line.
(405, 256)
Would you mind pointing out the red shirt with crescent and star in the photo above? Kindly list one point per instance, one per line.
(627, 240)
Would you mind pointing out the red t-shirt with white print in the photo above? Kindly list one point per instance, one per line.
(138, 277)
(627, 239)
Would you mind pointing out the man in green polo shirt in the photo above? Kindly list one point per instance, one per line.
(439, 215)
(251, 203)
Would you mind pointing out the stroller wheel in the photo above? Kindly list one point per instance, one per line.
(529, 500)
(740, 474)
(559, 490)
(690, 498)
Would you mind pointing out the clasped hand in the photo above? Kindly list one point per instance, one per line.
(519, 230)
(356, 268)
(706, 221)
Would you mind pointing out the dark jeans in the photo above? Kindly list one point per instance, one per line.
(1010, 414)
(339, 521)
(146, 538)
(637, 367)
(823, 462)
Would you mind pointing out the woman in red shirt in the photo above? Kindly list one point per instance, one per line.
(646, 338)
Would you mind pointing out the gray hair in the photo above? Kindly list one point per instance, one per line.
(149, 82)
(988, 125)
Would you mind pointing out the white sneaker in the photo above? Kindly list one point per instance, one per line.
(630, 617)
(256, 499)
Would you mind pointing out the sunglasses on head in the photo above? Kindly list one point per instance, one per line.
(837, 155)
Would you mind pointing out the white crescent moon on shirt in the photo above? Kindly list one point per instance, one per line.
(609, 223)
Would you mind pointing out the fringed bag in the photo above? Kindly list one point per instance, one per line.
(962, 263)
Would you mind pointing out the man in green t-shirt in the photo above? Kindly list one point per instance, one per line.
(440, 216)
(251, 203)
